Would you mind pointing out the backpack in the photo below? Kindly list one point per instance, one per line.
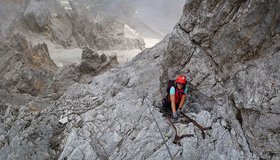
(170, 84)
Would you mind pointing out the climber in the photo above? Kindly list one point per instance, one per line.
(176, 96)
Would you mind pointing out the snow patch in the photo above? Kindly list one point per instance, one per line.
(150, 42)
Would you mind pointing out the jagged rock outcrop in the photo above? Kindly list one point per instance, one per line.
(94, 63)
(30, 81)
(30, 70)
(74, 28)
(25, 69)
(232, 51)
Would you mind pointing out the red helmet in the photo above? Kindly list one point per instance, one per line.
(181, 79)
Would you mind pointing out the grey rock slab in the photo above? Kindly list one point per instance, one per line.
(231, 49)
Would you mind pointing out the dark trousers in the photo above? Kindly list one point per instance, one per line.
(166, 105)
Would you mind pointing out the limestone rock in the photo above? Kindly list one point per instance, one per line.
(234, 54)
(94, 63)
(63, 78)
(25, 69)
(37, 16)
(75, 28)
(230, 48)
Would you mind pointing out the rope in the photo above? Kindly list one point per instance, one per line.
(171, 157)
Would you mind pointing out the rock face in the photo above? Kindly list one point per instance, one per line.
(30, 70)
(37, 16)
(74, 28)
(30, 81)
(8, 11)
(25, 69)
(94, 63)
(232, 51)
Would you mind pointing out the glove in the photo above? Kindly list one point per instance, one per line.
(178, 112)
(174, 116)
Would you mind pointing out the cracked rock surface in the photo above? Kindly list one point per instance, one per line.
(230, 49)
(67, 28)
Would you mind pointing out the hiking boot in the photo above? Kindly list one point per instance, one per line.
(178, 112)
(174, 116)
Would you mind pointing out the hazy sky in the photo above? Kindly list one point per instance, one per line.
(160, 15)
(154, 18)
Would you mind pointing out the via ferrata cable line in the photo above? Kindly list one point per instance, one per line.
(171, 157)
